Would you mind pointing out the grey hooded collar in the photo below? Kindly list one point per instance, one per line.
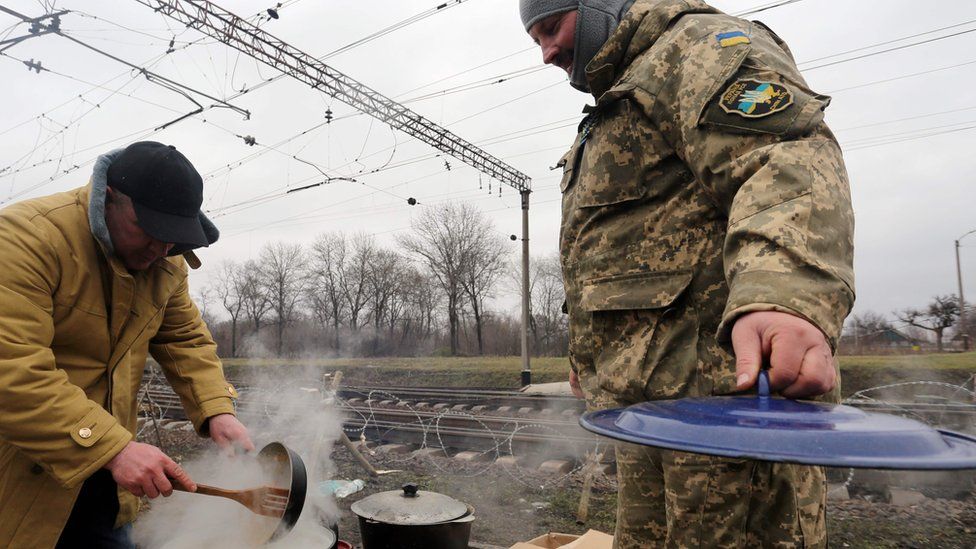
(96, 204)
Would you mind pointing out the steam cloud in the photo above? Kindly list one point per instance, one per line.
(295, 414)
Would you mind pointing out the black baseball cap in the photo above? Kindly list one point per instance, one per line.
(166, 192)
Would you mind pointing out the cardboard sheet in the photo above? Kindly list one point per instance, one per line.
(554, 540)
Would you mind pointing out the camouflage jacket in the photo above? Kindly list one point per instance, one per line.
(703, 185)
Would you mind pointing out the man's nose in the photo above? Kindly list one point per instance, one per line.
(161, 248)
(550, 52)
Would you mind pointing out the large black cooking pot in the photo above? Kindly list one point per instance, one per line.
(413, 519)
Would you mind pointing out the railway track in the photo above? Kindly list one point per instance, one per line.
(480, 424)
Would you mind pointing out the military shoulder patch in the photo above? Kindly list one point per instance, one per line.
(754, 99)
(734, 38)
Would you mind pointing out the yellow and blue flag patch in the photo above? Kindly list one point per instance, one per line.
(734, 38)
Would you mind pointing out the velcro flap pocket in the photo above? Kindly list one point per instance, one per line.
(92, 427)
(567, 163)
(634, 291)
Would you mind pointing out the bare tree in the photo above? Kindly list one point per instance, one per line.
(422, 299)
(940, 314)
(326, 291)
(231, 287)
(354, 279)
(548, 296)
(441, 238)
(255, 298)
(483, 263)
(383, 284)
(284, 276)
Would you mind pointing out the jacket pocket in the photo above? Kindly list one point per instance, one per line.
(626, 310)
(568, 165)
(616, 154)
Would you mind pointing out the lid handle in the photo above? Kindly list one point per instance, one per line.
(764, 390)
(409, 490)
(764, 384)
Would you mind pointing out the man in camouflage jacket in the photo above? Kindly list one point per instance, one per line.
(707, 231)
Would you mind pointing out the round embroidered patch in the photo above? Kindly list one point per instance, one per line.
(754, 99)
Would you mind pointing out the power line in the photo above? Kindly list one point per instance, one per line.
(369, 38)
(394, 27)
(902, 77)
(889, 50)
(766, 7)
(886, 42)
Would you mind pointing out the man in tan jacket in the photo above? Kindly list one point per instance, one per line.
(94, 280)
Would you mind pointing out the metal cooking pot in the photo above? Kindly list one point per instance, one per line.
(285, 468)
(413, 519)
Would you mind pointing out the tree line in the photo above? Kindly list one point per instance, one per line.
(939, 320)
(348, 295)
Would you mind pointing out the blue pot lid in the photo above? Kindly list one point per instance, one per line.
(771, 428)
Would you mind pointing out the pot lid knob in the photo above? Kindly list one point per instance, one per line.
(409, 490)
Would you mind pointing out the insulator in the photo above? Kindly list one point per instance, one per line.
(272, 13)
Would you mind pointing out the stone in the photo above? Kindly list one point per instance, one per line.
(838, 492)
(902, 497)
(393, 449)
(509, 461)
(560, 466)
(430, 452)
(472, 456)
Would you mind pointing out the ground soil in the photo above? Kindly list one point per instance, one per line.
(513, 505)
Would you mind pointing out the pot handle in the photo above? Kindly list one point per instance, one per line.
(409, 490)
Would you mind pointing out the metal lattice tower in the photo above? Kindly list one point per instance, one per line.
(247, 38)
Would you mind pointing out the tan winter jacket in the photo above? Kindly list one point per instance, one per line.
(75, 331)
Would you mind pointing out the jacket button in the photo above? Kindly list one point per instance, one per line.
(85, 432)
(36, 469)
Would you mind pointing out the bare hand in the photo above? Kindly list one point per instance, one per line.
(229, 433)
(574, 384)
(145, 470)
(800, 359)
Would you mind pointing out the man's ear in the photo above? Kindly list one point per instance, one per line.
(109, 194)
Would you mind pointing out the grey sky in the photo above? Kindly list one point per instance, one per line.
(912, 198)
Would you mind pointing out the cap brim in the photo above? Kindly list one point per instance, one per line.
(173, 229)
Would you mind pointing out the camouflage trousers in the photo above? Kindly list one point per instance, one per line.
(675, 499)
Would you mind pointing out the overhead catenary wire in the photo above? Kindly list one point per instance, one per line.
(378, 34)
(765, 7)
(889, 50)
